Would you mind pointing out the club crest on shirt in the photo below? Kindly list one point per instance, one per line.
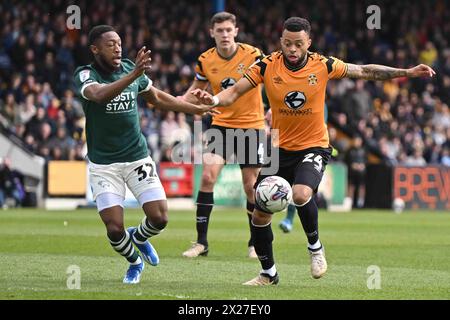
(241, 68)
(312, 79)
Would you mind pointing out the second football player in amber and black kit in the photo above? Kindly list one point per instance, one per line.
(221, 67)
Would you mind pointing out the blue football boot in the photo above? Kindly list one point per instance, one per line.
(149, 253)
(286, 225)
(133, 274)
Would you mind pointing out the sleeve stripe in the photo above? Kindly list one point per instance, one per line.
(150, 83)
(200, 66)
(262, 65)
(329, 63)
(200, 77)
(345, 71)
(253, 83)
(261, 54)
(84, 87)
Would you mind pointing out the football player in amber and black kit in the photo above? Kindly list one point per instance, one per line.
(295, 81)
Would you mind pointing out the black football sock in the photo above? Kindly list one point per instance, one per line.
(250, 208)
(205, 203)
(262, 240)
(309, 216)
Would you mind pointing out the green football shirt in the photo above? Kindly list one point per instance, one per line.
(113, 132)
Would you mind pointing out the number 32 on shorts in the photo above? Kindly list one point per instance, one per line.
(145, 170)
(317, 160)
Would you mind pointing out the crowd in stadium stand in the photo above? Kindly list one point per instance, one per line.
(401, 121)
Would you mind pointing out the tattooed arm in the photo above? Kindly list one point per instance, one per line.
(379, 72)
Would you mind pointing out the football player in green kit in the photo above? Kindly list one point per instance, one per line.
(117, 150)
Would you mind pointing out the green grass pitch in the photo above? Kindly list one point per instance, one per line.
(411, 250)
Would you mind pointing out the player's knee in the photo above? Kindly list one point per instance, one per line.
(160, 220)
(260, 218)
(249, 190)
(156, 213)
(301, 196)
(208, 180)
(115, 231)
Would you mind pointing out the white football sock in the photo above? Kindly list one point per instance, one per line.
(271, 272)
(315, 246)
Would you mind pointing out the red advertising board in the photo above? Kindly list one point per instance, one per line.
(423, 187)
(176, 179)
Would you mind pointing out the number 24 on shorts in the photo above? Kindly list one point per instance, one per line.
(317, 160)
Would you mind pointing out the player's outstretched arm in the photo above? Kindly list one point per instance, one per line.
(380, 72)
(226, 97)
(165, 101)
(188, 96)
(103, 93)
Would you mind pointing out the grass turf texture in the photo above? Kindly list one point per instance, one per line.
(411, 249)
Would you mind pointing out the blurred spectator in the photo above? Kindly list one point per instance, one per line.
(11, 185)
(9, 109)
(167, 138)
(183, 133)
(393, 147)
(53, 108)
(71, 106)
(32, 127)
(358, 103)
(182, 137)
(429, 54)
(416, 159)
(340, 145)
(45, 131)
(44, 151)
(31, 143)
(27, 110)
(432, 151)
(356, 159)
(77, 153)
(63, 143)
(46, 95)
(441, 117)
(48, 71)
(445, 160)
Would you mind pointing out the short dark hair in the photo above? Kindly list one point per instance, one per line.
(221, 17)
(97, 31)
(295, 24)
